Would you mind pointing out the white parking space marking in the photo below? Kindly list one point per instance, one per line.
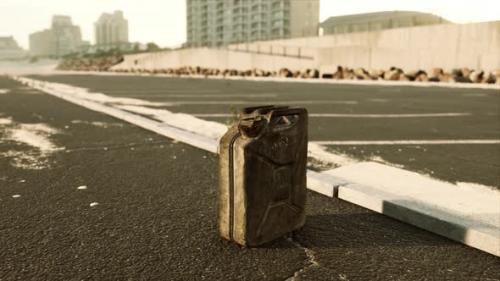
(297, 102)
(334, 115)
(190, 96)
(409, 142)
(475, 95)
(173, 91)
(187, 122)
(378, 100)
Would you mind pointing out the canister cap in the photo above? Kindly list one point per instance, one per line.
(254, 120)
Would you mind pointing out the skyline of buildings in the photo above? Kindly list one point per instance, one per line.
(216, 23)
(63, 37)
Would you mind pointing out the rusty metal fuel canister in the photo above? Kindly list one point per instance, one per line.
(262, 175)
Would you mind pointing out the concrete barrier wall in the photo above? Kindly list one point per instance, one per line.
(212, 58)
(447, 46)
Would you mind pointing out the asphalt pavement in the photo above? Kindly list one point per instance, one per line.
(478, 109)
(155, 217)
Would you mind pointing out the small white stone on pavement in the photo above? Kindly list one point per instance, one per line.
(93, 204)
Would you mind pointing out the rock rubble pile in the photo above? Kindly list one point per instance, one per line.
(461, 75)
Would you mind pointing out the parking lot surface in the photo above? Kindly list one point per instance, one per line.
(460, 119)
(100, 199)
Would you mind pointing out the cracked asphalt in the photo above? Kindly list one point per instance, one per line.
(156, 215)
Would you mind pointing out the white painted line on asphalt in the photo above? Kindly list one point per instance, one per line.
(190, 96)
(84, 94)
(161, 92)
(475, 95)
(410, 142)
(340, 115)
(187, 122)
(212, 115)
(239, 102)
(379, 100)
(414, 115)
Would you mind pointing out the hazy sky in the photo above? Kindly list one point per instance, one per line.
(163, 21)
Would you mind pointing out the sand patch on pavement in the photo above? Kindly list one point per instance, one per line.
(35, 136)
(5, 121)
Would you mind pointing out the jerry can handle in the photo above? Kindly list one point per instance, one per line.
(252, 128)
(288, 111)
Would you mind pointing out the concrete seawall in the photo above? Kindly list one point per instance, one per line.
(447, 46)
(212, 58)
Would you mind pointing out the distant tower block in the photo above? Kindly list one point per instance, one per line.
(61, 39)
(222, 22)
(111, 31)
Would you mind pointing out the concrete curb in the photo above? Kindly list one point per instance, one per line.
(407, 204)
(487, 241)
(465, 214)
(324, 184)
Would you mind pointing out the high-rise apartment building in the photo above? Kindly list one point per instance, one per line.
(68, 37)
(220, 22)
(61, 39)
(111, 31)
(42, 43)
